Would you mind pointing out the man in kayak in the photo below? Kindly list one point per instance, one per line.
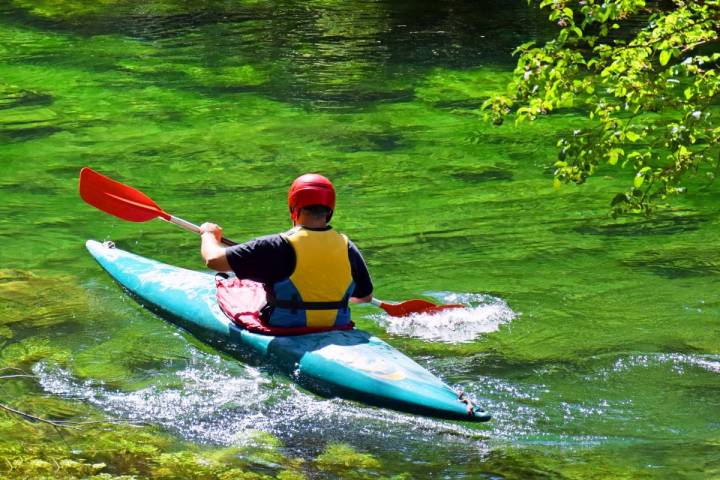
(310, 273)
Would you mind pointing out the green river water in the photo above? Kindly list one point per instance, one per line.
(594, 342)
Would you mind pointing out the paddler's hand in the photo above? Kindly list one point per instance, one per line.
(212, 228)
(213, 253)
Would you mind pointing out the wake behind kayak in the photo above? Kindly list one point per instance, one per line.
(350, 364)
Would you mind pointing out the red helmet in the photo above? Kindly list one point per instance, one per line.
(310, 189)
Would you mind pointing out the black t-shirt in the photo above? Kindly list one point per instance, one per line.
(271, 258)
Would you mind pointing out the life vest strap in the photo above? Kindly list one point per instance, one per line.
(297, 305)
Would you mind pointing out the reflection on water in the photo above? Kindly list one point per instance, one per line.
(322, 55)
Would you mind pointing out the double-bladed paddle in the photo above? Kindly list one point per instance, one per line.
(130, 204)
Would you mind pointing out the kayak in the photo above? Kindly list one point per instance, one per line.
(350, 364)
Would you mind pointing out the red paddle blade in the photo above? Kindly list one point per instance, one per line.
(414, 306)
(117, 199)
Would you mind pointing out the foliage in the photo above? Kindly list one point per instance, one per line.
(651, 93)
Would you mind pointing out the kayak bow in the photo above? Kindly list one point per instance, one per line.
(351, 364)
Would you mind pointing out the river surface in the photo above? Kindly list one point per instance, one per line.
(594, 342)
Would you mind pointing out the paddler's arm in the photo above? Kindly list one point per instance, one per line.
(212, 251)
(361, 276)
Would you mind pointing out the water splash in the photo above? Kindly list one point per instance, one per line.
(213, 402)
(483, 314)
(205, 403)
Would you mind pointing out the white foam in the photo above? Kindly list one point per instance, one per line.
(482, 314)
(209, 402)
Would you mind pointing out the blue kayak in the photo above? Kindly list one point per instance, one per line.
(350, 364)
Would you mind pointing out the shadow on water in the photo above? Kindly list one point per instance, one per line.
(659, 225)
(27, 134)
(677, 263)
(481, 175)
(12, 97)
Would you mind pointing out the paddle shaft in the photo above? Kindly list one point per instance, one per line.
(191, 227)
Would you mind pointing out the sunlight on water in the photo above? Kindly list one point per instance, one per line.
(209, 404)
(482, 314)
(599, 400)
(678, 362)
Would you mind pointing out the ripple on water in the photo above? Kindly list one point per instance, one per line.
(607, 399)
(482, 314)
(212, 403)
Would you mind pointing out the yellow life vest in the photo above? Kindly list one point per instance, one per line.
(317, 292)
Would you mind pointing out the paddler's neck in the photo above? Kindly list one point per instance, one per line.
(310, 222)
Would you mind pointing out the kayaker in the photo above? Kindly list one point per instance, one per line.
(310, 272)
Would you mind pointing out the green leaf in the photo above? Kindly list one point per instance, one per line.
(632, 136)
(639, 180)
(640, 177)
(665, 57)
(563, 35)
(614, 155)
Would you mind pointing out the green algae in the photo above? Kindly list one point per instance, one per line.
(30, 301)
(117, 361)
(462, 88)
(98, 452)
(27, 352)
(346, 462)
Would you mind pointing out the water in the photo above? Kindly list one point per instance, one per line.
(593, 342)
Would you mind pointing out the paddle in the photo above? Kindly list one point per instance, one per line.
(412, 306)
(126, 202)
(130, 204)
